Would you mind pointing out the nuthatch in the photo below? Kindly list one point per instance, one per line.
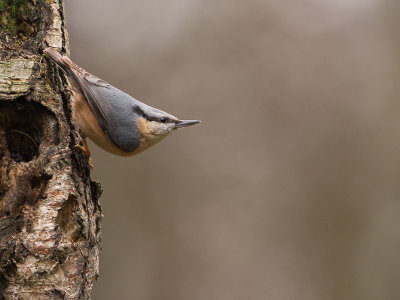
(111, 118)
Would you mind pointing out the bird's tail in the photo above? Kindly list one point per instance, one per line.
(55, 56)
(65, 63)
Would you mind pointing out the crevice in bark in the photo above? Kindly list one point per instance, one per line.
(63, 29)
(30, 190)
(74, 137)
(3, 285)
(66, 220)
(57, 294)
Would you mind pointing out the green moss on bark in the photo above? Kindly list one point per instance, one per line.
(12, 14)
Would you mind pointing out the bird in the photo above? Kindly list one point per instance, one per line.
(112, 119)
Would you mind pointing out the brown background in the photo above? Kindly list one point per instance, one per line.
(289, 189)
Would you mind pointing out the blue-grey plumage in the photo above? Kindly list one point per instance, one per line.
(114, 120)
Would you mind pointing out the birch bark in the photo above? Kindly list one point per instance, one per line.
(49, 211)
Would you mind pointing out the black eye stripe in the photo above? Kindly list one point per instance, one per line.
(140, 112)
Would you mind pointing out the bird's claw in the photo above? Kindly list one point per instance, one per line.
(69, 90)
(86, 151)
(90, 163)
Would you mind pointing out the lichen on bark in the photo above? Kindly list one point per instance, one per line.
(49, 210)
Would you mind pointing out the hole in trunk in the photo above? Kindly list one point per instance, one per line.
(25, 126)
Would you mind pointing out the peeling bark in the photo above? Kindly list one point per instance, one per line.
(49, 211)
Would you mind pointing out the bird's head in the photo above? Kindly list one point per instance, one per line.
(153, 125)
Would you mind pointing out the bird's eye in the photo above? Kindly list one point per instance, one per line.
(163, 120)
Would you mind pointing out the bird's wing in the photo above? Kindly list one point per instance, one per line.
(112, 107)
(95, 91)
(113, 110)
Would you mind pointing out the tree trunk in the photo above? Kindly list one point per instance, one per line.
(49, 214)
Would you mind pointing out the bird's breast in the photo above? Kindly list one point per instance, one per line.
(90, 128)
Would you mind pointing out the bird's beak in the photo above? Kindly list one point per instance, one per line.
(184, 123)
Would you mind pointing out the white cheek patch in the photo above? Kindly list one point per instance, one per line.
(159, 129)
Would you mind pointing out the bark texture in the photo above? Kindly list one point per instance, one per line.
(49, 211)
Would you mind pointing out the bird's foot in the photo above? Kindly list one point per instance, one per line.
(70, 90)
(85, 149)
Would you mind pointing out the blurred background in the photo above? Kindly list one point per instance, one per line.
(289, 189)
